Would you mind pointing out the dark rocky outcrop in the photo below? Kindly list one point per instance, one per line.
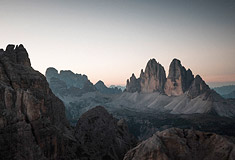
(183, 144)
(178, 80)
(32, 118)
(151, 80)
(101, 137)
(102, 88)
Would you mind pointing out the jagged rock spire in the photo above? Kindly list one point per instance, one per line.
(150, 80)
(178, 80)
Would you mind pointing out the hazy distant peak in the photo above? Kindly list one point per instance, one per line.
(52, 69)
(101, 87)
(100, 83)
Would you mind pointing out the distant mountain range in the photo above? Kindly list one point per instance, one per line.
(226, 91)
(118, 86)
(67, 82)
(151, 94)
(77, 92)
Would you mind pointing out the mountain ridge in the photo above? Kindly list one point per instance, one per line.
(178, 81)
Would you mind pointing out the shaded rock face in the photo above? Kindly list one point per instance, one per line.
(198, 87)
(32, 119)
(178, 80)
(67, 83)
(185, 145)
(102, 88)
(100, 136)
(153, 79)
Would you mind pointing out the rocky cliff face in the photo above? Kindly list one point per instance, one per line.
(102, 137)
(184, 145)
(32, 119)
(178, 80)
(152, 79)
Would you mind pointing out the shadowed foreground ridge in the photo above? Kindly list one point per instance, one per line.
(183, 144)
(101, 136)
(32, 118)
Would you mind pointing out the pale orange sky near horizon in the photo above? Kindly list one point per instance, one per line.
(110, 40)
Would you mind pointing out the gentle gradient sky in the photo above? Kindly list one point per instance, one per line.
(111, 39)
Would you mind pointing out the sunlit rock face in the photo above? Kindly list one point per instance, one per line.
(178, 80)
(183, 144)
(101, 136)
(153, 78)
(150, 80)
(32, 118)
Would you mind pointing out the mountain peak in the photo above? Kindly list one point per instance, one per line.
(179, 79)
(10, 47)
(17, 54)
(198, 87)
(100, 83)
(150, 80)
(101, 87)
